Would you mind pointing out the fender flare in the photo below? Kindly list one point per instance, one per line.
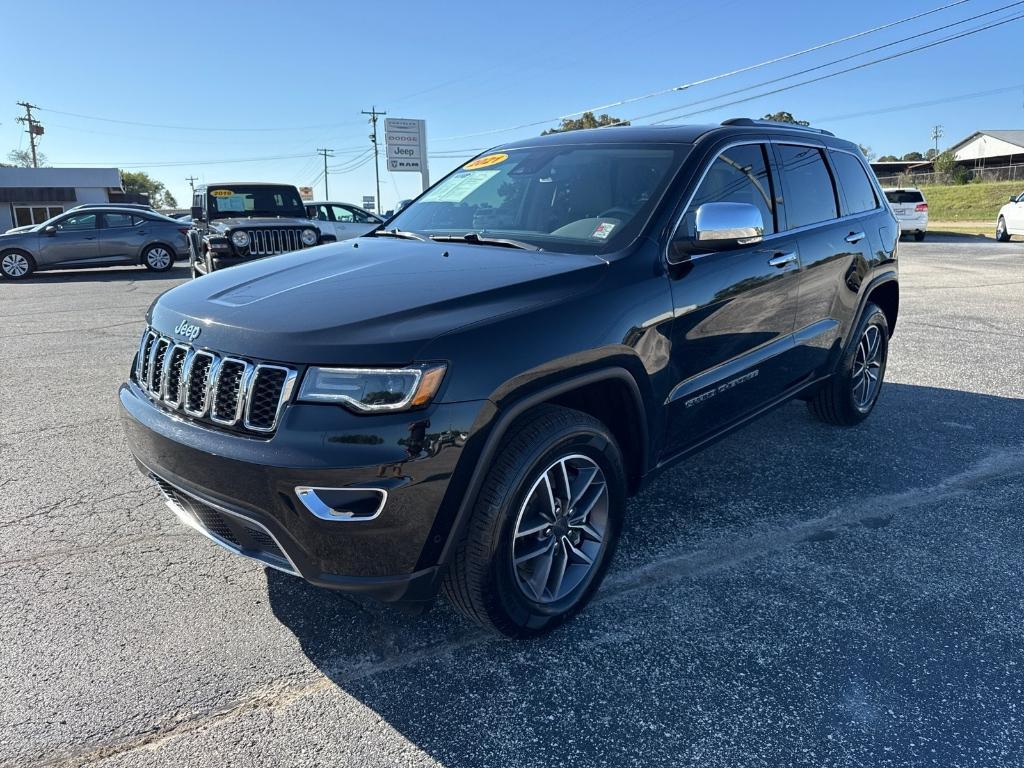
(885, 277)
(505, 417)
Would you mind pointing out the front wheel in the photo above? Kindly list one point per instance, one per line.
(850, 395)
(16, 265)
(1001, 234)
(544, 527)
(157, 258)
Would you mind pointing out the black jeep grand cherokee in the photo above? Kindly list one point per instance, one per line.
(465, 400)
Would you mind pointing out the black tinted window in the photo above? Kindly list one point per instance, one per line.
(857, 188)
(810, 195)
(738, 175)
(898, 196)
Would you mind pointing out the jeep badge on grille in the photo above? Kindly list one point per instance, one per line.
(189, 331)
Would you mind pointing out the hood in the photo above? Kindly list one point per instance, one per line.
(261, 221)
(368, 301)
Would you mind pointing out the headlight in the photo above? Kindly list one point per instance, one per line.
(372, 389)
(309, 237)
(240, 239)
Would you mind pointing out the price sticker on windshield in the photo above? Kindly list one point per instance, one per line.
(603, 230)
(485, 161)
(221, 193)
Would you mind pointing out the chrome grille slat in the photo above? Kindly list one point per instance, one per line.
(271, 241)
(212, 387)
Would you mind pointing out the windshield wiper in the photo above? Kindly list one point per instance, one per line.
(400, 233)
(475, 239)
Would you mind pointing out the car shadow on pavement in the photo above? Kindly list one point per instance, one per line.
(673, 654)
(106, 275)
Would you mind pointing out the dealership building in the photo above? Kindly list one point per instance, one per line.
(33, 195)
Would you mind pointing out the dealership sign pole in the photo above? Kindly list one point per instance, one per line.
(406, 146)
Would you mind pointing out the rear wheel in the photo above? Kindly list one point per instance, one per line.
(16, 265)
(544, 526)
(1001, 234)
(850, 395)
(158, 258)
(919, 236)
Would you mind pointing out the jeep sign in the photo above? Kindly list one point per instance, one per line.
(405, 146)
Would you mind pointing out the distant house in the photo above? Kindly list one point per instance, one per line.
(889, 168)
(990, 148)
(33, 195)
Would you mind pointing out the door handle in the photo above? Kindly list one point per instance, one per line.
(782, 259)
(854, 237)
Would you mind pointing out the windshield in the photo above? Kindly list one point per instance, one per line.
(242, 200)
(576, 199)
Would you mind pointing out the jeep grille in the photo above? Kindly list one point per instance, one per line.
(267, 242)
(227, 391)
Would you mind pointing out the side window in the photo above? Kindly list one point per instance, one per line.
(360, 217)
(857, 188)
(810, 194)
(118, 220)
(319, 212)
(342, 214)
(738, 175)
(197, 200)
(78, 222)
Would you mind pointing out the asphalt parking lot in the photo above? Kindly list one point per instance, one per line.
(797, 595)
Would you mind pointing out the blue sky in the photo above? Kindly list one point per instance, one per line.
(278, 80)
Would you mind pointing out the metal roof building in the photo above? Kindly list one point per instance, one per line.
(990, 148)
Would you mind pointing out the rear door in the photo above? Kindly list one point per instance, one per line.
(122, 236)
(835, 233)
(734, 310)
(74, 243)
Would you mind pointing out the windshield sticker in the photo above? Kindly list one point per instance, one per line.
(232, 203)
(485, 161)
(457, 188)
(603, 230)
(221, 193)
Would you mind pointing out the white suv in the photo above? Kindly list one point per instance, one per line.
(1011, 219)
(911, 210)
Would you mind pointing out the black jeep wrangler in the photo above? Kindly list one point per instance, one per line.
(467, 398)
(233, 223)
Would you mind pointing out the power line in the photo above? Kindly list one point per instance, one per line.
(827, 63)
(836, 73)
(374, 114)
(712, 78)
(916, 105)
(174, 163)
(194, 127)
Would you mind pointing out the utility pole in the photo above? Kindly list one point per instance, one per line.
(34, 128)
(192, 182)
(936, 135)
(374, 114)
(326, 153)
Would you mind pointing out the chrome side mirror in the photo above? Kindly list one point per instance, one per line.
(51, 230)
(722, 227)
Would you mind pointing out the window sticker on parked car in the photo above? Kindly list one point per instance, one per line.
(485, 161)
(221, 193)
(231, 203)
(603, 230)
(457, 188)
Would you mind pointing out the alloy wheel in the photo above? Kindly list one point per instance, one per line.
(560, 531)
(158, 258)
(866, 377)
(1000, 230)
(14, 265)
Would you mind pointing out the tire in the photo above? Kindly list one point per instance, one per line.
(918, 236)
(158, 258)
(848, 397)
(1002, 235)
(489, 579)
(16, 265)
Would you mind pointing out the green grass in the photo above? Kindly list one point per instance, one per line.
(969, 202)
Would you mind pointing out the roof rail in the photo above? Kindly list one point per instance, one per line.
(775, 124)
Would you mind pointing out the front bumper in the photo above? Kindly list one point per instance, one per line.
(241, 491)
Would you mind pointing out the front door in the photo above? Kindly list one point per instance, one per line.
(75, 242)
(734, 310)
